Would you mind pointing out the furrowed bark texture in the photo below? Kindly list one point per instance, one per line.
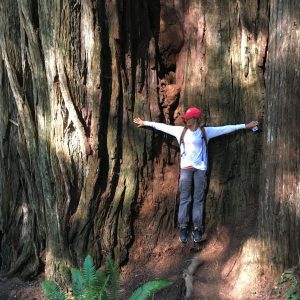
(279, 190)
(77, 177)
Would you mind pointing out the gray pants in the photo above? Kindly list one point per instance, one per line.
(192, 187)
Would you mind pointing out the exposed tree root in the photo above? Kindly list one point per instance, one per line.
(188, 276)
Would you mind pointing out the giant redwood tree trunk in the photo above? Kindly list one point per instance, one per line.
(77, 177)
(279, 217)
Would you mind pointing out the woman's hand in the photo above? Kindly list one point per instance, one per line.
(139, 122)
(251, 124)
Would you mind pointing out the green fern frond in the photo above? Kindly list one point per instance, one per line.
(89, 271)
(92, 285)
(101, 285)
(52, 291)
(149, 288)
(114, 280)
(103, 291)
(89, 279)
(77, 284)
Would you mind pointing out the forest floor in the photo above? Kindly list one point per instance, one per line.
(217, 276)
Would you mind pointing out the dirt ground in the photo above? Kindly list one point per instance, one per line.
(215, 278)
(15, 288)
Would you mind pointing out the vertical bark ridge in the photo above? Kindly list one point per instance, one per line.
(279, 211)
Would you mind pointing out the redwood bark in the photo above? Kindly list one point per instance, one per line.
(279, 188)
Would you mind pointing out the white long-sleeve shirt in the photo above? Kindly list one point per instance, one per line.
(193, 149)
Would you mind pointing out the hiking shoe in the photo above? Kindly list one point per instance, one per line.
(183, 235)
(197, 235)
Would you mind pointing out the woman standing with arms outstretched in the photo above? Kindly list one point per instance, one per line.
(193, 141)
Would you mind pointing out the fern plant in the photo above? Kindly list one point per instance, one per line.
(149, 288)
(52, 291)
(114, 280)
(290, 276)
(90, 284)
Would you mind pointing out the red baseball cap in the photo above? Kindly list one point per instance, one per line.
(192, 112)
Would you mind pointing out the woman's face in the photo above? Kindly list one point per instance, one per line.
(192, 123)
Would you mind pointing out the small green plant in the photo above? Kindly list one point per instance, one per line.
(89, 284)
(291, 277)
(149, 288)
(52, 291)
